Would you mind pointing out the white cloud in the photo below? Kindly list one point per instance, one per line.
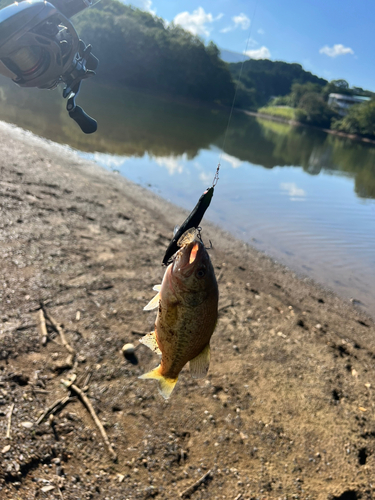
(197, 22)
(142, 4)
(294, 192)
(337, 50)
(205, 177)
(110, 161)
(252, 43)
(232, 160)
(171, 163)
(227, 29)
(240, 21)
(261, 53)
(261, 31)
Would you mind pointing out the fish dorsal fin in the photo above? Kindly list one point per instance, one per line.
(157, 288)
(199, 365)
(166, 385)
(150, 341)
(153, 304)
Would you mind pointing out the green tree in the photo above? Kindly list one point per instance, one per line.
(359, 120)
(314, 110)
(337, 87)
(271, 78)
(137, 50)
(300, 89)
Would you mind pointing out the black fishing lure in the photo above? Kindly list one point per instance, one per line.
(193, 220)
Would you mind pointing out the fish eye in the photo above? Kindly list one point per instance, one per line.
(201, 273)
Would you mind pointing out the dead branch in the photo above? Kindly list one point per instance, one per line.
(85, 400)
(135, 332)
(60, 331)
(9, 421)
(226, 306)
(58, 404)
(189, 491)
(41, 322)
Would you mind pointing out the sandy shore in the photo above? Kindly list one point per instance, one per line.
(287, 410)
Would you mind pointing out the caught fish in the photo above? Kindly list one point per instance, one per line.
(187, 302)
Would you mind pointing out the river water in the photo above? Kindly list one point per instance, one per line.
(303, 197)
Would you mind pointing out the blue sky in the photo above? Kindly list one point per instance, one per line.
(329, 38)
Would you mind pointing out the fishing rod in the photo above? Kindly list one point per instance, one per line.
(39, 47)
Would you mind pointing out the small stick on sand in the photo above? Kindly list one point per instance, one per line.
(136, 332)
(226, 306)
(9, 421)
(53, 408)
(85, 400)
(41, 321)
(189, 491)
(60, 331)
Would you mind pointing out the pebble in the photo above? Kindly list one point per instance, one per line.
(46, 489)
(27, 425)
(6, 448)
(128, 348)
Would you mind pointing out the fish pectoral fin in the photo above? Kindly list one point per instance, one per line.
(153, 304)
(150, 341)
(166, 384)
(200, 364)
(157, 288)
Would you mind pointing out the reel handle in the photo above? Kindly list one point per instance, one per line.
(87, 124)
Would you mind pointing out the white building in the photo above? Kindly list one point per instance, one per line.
(343, 102)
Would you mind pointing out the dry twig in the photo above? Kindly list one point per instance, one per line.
(9, 421)
(85, 400)
(60, 331)
(136, 332)
(58, 404)
(189, 491)
(41, 321)
(226, 306)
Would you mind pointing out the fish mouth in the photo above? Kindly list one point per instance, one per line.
(187, 258)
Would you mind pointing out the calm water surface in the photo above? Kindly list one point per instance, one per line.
(304, 197)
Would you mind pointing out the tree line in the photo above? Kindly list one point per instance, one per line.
(139, 50)
(310, 101)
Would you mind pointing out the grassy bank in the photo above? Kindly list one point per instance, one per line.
(285, 112)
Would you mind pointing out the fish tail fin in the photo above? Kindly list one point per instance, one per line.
(166, 384)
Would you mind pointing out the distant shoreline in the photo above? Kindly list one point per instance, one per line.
(295, 123)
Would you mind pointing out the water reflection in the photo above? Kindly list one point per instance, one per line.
(271, 144)
(311, 206)
(129, 123)
(132, 124)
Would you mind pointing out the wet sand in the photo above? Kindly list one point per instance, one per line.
(286, 411)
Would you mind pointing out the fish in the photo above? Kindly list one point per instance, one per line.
(187, 302)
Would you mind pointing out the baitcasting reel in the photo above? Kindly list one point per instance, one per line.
(39, 47)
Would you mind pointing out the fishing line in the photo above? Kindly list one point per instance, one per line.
(216, 176)
(196, 215)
